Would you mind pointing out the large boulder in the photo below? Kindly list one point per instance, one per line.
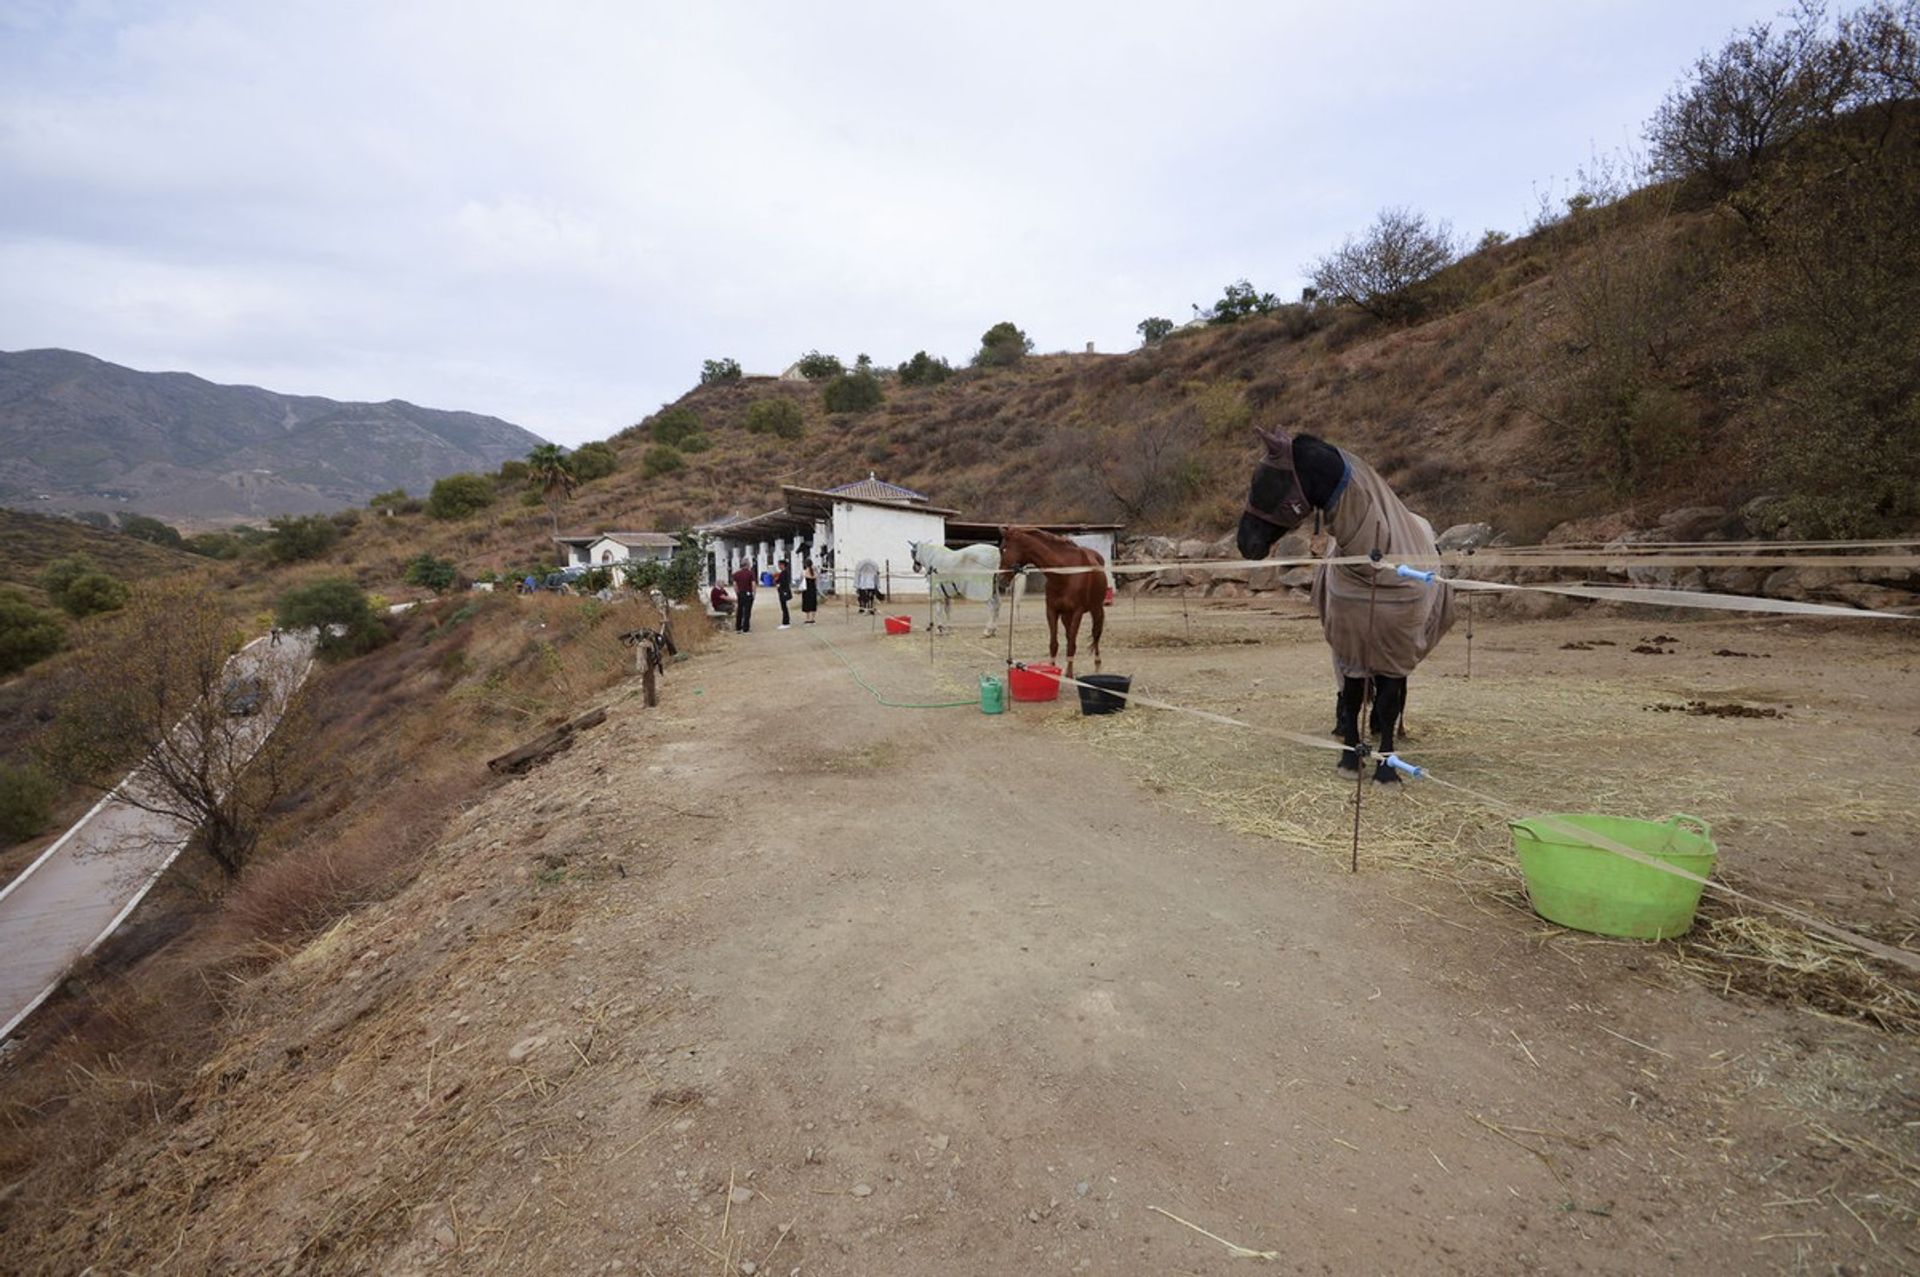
(1464, 536)
(1193, 548)
(1877, 597)
(1226, 589)
(1225, 547)
(1147, 549)
(1766, 517)
(1699, 523)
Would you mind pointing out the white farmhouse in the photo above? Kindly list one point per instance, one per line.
(603, 549)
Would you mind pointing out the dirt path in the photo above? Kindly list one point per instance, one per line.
(777, 979)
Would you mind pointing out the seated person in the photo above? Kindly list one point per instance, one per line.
(719, 600)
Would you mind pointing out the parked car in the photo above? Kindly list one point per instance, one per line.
(563, 579)
(245, 695)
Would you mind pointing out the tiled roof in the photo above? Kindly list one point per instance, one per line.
(873, 489)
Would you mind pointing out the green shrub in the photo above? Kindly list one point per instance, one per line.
(390, 500)
(430, 573)
(214, 545)
(924, 370)
(512, 474)
(1153, 330)
(815, 366)
(660, 459)
(459, 495)
(61, 573)
(695, 443)
(719, 372)
(92, 594)
(594, 461)
(531, 498)
(339, 610)
(142, 528)
(1002, 346)
(26, 802)
(27, 633)
(1237, 301)
(295, 540)
(779, 416)
(853, 392)
(675, 426)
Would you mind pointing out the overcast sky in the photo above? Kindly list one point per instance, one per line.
(553, 212)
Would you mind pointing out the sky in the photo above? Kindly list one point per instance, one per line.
(553, 213)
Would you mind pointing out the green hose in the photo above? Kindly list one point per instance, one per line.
(871, 691)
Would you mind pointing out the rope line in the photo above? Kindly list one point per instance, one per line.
(875, 693)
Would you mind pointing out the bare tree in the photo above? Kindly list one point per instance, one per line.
(1149, 464)
(163, 701)
(1735, 105)
(1377, 270)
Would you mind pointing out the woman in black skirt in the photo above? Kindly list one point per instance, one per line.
(809, 590)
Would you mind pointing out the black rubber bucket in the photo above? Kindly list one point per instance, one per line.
(1097, 693)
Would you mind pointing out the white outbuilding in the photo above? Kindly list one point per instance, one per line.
(604, 549)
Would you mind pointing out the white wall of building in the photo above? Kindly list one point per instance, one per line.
(882, 533)
(1101, 541)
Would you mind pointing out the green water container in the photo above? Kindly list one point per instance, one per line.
(1590, 888)
(993, 695)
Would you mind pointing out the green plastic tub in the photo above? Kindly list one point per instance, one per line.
(993, 695)
(1590, 888)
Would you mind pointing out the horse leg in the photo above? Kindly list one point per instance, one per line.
(993, 613)
(1073, 639)
(1346, 719)
(1099, 623)
(1053, 637)
(1389, 698)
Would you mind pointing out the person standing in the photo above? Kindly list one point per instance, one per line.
(743, 599)
(809, 590)
(783, 590)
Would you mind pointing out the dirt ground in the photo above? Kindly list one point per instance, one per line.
(777, 978)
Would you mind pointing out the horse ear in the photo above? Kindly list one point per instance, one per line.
(1276, 441)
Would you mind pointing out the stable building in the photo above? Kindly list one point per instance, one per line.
(605, 549)
(868, 521)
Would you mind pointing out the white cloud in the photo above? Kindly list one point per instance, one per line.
(554, 213)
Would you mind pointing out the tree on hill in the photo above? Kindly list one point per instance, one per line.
(1002, 346)
(157, 694)
(80, 589)
(1153, 330)
(1239, 300)
(143, 528)
(1378, 270)
(459, 495)
(549, 473)
(593, 461)
(431, 573)
(339, 611)
(1761, 87)
(852, 392)
(295, 540)
(27, 633)
(924, 370)
(719, 372)
(815, 366)
(778, 416)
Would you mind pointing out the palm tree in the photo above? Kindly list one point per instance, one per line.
(549, 470)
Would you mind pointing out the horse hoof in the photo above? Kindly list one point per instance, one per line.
(1349, 764)
(1385, 775)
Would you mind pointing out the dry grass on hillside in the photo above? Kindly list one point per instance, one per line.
(400, 739)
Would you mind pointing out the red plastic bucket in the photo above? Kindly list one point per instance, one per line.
(1034, 683)
(1109, 596)
(899, 624)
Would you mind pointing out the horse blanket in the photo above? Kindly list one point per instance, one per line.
(1408, 616)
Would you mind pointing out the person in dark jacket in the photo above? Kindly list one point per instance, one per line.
(743, 598)
(783, 589)
(809, 590)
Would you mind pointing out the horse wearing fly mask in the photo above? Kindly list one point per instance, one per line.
(1379, 625)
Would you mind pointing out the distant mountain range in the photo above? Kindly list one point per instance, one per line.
(78, 433)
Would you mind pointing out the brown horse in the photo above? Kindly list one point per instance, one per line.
(1069, 594)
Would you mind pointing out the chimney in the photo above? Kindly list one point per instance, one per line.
(1089, 348)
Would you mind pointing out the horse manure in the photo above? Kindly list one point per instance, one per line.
(1752, 656)
(1703, 709)
(1648, 649)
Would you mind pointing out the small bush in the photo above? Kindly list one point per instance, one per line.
(1239, 300)
(512, 474)
(778, 416)
(26, 802)
(661, 460)
(430, 573)
(397, 497)
(297, 540)
(924, 370)
(1153, 330)
(815, 366)
(852, 392)
(214, 545)
(92, 594)
(1002, 346)
(459, 495)
(142, 528)
(719, 372)
(339, 610)
(675, 426)
(594, 461)
(63, 572)
(27, 634)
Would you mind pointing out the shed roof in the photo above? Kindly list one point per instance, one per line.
(876, 489)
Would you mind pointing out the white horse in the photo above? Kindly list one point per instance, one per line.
(971, 572)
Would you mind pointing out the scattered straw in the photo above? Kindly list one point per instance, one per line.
(1233, 1249)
